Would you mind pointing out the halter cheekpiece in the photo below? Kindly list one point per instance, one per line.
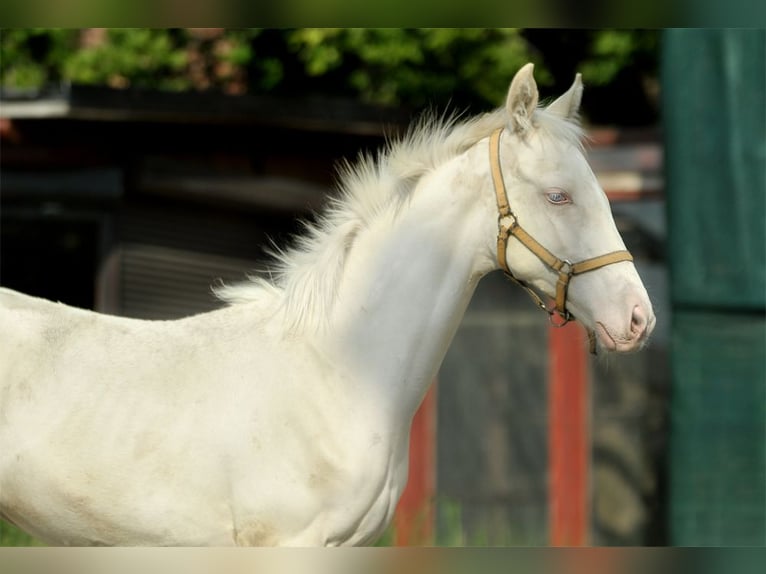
(508, 225)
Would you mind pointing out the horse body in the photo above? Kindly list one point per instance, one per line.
(177, 440)
(284, 418)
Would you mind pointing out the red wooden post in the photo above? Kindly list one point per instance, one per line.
(568, 436)
(414, 519)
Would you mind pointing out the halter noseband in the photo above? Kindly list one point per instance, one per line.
(508, 225)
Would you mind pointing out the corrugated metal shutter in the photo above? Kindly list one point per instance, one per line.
(170, 258)
(165, 283)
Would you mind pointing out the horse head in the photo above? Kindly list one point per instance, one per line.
(557, 233)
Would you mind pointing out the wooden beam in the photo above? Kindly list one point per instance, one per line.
(568, 436)
(415, 514)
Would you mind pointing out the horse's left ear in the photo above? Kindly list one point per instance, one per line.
(522, 99)
(568, 103)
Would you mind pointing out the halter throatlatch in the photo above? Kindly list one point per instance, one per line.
(508, 225)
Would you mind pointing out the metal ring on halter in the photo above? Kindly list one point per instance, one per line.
(510, 226)
(564, 315)
(569, 267)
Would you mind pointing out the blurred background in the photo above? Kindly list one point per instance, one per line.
(140, 166)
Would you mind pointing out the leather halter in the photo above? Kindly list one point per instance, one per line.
(508, 225)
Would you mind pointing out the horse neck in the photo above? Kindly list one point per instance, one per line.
(408, 280)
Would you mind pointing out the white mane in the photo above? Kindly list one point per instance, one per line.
(303, 280)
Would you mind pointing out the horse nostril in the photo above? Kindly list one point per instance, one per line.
(638, 322)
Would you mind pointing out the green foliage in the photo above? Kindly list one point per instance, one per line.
(394, 65)
(467, 67)
(30, 58)
(138, 57)
(165, 59)
(12, 536)
(614, 50)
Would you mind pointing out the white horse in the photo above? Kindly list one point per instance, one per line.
(284, 417)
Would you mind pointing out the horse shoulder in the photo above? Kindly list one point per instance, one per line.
(317, 467)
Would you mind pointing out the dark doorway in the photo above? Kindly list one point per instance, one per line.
(51, 258)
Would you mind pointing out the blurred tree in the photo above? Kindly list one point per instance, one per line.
(620, 70)
(142, 57)
(34, 57)
(464, 67)
(415, 66)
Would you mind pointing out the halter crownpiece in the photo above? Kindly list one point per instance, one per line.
(508, 225)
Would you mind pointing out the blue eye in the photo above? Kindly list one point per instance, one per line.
(558, 197)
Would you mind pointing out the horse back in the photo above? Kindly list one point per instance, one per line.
(29, 326)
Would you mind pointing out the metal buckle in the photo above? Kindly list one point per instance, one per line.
(507, 226)
(567, 268)
(562, 316)
(559, 318)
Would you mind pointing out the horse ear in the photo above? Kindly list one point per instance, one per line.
(568, 103)
(522, 99)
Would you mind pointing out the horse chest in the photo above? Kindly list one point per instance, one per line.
(372, 509)
(339, 492)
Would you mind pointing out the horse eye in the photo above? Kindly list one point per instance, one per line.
(558, 197)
